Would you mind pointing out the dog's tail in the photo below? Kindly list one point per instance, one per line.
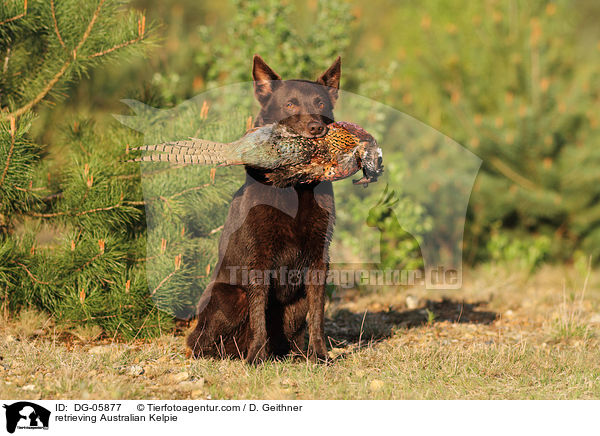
(192, 151)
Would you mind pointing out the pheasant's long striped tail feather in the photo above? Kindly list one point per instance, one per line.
(194, 151)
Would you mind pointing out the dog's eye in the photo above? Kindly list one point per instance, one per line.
(320, 105)
(290, 105)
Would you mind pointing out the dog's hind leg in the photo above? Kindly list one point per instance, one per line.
(222, 327)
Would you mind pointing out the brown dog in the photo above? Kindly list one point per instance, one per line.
(245, 312)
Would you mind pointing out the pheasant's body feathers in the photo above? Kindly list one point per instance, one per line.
(284, 157)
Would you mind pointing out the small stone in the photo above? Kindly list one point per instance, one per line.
(509, 313)
(179, 377)
(196, 393)
(28, 388)
(191, 385)
(595, 319)
(104, 349)
(336, 352)
(135, 370)
(376, 385)
(412, 302)
(9, 338)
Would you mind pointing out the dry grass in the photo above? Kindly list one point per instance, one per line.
(505, 336)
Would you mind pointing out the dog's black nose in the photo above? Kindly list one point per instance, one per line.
(315, 128)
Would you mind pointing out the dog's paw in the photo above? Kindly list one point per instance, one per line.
(322, 359)
(257, 353)
(317, 353)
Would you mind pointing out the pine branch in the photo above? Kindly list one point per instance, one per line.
(42, 94)
(17, 113)
(144, 323)
(163, 281)
(87, 32)
(513, 175)
(218, 229)
(116, 47)
(170, 197)
(60, 72)
(185, 191)
(16, 17)
(121, 203)
(41, 188)
(56, 24)
(151, 173)
(10, 151)
(141, 30)
(89, 262)
(95, 317)
(34, 278)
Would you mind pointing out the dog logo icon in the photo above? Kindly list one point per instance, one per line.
(26, 415)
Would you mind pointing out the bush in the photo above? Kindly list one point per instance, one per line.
(519, 86)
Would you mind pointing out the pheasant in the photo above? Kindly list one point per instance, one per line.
(284, 157)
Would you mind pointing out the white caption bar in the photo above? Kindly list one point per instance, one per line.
(72, 417)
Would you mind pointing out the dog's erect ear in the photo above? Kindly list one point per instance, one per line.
(331, 78)
(263, 77)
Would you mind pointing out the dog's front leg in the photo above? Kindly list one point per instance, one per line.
(315, 290)
(257, 305)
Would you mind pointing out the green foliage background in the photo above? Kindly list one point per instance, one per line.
(515, 82)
